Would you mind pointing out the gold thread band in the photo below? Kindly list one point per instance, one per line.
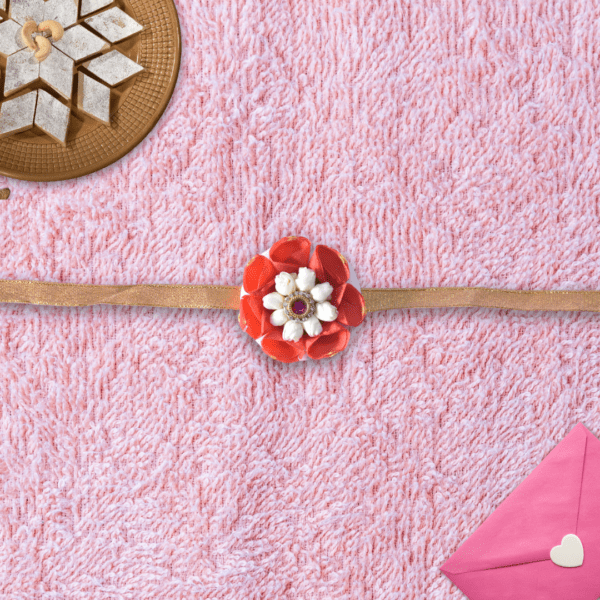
(168, 296)
(228, 297)
(481, 298)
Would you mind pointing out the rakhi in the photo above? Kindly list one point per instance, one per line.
(297, 303)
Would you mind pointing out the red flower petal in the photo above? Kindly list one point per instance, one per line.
(334, 339)
(329, 265)
(290, 253)
(254, 317)
(276, 347)
(259, 272)
(350, 304)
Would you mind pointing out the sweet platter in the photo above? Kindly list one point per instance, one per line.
(82, 82)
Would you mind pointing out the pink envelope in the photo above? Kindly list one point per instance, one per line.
(508, 557)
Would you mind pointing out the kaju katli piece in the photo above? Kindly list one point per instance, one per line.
(296, 304)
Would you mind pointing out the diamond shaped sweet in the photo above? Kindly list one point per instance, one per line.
(114, 68)
(90, 6)
(10, 38)
(52, 117)
(26, 10)
(18, 114)
(114, 24)
(62, 11)
(21, 69)
(57, 72)
(79, 43)
(94, 98)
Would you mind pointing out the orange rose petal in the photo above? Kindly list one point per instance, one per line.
(254, 317)
(259, 272)
(329, 265)
(277, 348)
(290, 253)
(350, 304)
(334, 339)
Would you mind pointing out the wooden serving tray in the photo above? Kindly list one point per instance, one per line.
(135, 105)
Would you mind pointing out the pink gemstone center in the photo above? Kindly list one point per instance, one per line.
(299, 307)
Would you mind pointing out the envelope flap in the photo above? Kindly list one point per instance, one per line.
(534, 518)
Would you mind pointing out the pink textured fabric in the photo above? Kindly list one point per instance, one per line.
(160, 454)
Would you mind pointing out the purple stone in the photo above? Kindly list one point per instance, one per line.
(299, 307)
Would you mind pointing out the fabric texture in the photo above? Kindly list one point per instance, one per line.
(158, 453)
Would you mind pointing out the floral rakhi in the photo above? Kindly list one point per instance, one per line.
(297, 302)
(297, 305)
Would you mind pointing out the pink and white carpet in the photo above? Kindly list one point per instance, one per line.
(159, 454)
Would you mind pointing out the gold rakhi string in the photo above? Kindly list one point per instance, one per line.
(228, 297)
(481, 298)
(168, 296)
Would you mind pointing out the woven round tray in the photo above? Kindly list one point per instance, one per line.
(136, 106)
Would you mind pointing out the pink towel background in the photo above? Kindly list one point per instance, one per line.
(159, 454)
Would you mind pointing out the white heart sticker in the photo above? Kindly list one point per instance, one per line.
(570, 552)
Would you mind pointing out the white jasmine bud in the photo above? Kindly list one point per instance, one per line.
(306, 279)
(278, 317)
(313, 326)
(326, 312)
(273, 301)
(321, 292)
(292, 331)
(285, 284)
